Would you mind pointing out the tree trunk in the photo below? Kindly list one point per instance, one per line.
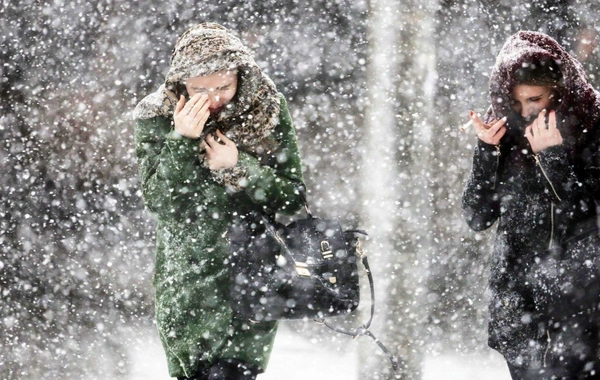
(395, 180)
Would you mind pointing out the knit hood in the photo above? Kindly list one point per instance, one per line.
(208, 48)
(579, 107)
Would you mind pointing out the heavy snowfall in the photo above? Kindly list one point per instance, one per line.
(377, 90)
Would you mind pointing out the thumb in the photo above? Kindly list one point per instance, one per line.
(179, 105)
(529, 132)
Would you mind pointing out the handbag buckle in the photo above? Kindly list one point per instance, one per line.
(302, 269)
(359, 249)
(326, 250)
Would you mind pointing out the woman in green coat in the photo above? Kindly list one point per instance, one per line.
(214, 142)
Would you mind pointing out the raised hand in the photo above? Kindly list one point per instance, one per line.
(189, 117)
(221, 153)
(541, 135)
(488, 133)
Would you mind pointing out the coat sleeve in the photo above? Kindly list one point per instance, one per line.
(593, 169)
(276, 187)
(168, 166)
(480, 203)
(560, 179)
(564, 182)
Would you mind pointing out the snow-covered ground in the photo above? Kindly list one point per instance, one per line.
(295, 358)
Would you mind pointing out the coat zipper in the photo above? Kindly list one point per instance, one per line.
(551, 225)
(548, 342)
(537, 160)
(497, 164)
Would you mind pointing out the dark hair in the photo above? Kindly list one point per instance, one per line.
(543, 72)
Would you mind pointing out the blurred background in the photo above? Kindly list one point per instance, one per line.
(377, 90)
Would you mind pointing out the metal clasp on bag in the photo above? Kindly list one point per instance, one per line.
(359, 249)
(302, 269)
(326, 250)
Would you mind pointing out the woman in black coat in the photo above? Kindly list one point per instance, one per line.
(536, 170)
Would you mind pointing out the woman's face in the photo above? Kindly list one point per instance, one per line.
(220, 88)
(529, 100)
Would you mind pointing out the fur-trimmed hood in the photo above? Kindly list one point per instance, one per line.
(205, 49)
(579, 106)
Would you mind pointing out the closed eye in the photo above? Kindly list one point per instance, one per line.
(204, 90)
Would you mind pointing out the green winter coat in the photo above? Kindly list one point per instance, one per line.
(193, 211)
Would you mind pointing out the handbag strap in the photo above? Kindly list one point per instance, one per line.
(364, 329)
(301, 189)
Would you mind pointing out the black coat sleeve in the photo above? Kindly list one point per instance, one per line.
(480, 203)
(570, 179)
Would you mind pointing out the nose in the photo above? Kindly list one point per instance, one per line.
(214, 98)
(528, 111)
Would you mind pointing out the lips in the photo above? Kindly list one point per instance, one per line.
(215, 111)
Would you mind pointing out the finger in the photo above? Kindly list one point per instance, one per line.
(529, 132)
(466, 125)
(203, 118)
(224, 139)
(208, 158)
(180, 104)
(191, 103)
(501, 132)
(479, 131)
(203, 113)
(210, 141)
(535, 130)
(201, 103)
(529, 135)
(552, 120)
(541, 120)
(479, 128)
(497, 125)
(477, 123)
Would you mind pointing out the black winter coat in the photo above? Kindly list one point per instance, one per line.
(539, 201)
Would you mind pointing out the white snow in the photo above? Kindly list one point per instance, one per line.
(295, 357)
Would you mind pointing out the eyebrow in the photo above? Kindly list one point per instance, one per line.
(217, 88)
(529, 97)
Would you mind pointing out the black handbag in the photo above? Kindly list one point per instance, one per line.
(306, 269)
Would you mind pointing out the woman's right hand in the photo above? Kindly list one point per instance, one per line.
(189, 117)
(488, 133)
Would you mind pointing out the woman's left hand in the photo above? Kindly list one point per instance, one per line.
(221, 153)
(542, 135)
